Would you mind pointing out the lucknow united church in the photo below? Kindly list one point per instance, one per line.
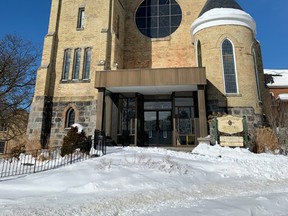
(152, 70)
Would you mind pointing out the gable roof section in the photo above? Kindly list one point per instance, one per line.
(212, 4)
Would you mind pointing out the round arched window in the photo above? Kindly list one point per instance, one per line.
(158, 18)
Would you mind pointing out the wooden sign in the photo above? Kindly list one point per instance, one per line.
(233, 141)
(230, 124)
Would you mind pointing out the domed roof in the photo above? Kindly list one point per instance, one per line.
(223, 17)
(222, 12)
(212, 4)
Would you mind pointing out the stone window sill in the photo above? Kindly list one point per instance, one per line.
(233, 95)
(75, 81)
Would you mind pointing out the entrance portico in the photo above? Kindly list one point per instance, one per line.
(152, 106)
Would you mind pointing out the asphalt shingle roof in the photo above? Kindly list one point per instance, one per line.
(211, 4)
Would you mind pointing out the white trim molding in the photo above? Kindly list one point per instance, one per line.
(223, 16)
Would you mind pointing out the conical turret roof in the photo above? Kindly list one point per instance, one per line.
(220, 13)
(212, 4)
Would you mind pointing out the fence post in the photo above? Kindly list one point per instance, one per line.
(216, 129)
(4, 163)
(245, 132)
(36, 155)
(71, 158)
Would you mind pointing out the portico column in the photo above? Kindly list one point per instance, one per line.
(202, 111)
(100, 108)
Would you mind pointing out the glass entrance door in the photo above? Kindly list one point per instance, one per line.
(158, 127)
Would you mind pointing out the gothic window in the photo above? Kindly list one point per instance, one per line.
(81, 18)
(256, 75)
(76, 67)
(66, 64)
(229, 67)
(70, 118)
(199, 54)
(158, 18)
(87, 63)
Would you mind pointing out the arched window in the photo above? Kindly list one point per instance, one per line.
(87, 63)
(199, 54)
(229, 67)
(256, 74)
(70, 118)
(76, 67)
(66, 64)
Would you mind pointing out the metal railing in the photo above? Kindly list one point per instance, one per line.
(33, 161)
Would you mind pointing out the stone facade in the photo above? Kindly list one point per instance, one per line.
(246, 102)
(110, 32)
(175, 50)
(85, 114)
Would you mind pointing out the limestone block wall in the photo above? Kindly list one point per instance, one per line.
(118, 34)
(39, 118)
(53, 95)
(85, 114)
(175, 50)
(243, 41)
(69, 37)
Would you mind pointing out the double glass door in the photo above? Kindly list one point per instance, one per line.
(158, 127)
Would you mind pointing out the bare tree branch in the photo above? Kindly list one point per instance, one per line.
(18, 66)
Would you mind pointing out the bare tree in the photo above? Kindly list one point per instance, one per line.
(18, 61)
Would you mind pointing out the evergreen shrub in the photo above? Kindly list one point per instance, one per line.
(74, 140)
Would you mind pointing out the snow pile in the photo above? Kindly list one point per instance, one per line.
(78, 126)
(283, 97)
(280, 77)
(245, 163)
(131, 181)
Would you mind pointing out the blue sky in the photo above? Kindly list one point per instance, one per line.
(29, 19)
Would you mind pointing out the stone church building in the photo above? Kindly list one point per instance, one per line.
(151, 71)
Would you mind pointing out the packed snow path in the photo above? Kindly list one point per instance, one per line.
(152, 181)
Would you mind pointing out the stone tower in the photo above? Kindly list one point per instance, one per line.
(224, 36)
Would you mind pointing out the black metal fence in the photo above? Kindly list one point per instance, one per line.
(100, 141)
(32, 161)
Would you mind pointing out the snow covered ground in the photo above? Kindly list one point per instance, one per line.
(152, 181)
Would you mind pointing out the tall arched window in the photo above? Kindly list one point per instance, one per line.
(70, 118)
(256, 74)
(229, 67)
(199, 54)
(66, 64)
(87, 63)
(76, 67)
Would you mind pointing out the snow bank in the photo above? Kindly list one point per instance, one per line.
(244, 162)
(130, 181)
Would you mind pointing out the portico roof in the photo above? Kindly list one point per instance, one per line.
(151, 81)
